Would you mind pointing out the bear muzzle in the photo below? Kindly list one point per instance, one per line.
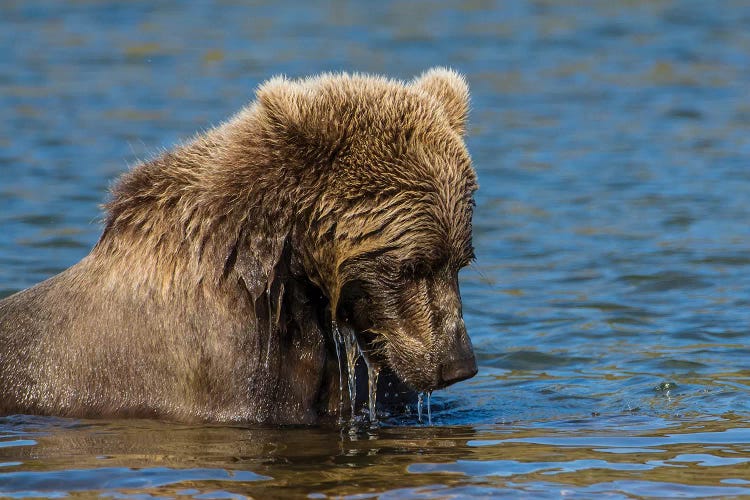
(457, 370)
(460, 363)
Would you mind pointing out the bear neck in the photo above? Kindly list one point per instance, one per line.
(180, 218)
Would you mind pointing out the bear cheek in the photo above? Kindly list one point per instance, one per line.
(411, 343)
(410, 361)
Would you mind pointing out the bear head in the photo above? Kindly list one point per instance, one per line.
(383, 187)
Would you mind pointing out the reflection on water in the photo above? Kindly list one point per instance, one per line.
(609, 302)
(620, 454)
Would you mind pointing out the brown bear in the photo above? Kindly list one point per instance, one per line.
(229, 267)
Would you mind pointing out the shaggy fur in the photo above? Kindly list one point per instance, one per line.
(210, 295)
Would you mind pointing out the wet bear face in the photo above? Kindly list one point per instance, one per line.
(400, 291)
(390, 226)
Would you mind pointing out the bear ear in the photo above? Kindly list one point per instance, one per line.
(451, 90)
(283, 102)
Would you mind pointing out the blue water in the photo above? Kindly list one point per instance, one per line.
(609, 304)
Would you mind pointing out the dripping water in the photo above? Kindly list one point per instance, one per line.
(347, 342)
(420, 404)
(338, 341)
(352, 355)
(429, 408)
(373, 370)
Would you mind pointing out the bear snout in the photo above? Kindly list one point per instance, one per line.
(460, 364)
(454, 371)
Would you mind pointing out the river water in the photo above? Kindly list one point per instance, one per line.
(609, 304)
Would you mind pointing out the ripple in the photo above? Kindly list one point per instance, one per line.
(534, 360)
(665, 281)
(513, 467)
(733, 436)
(114, 478)
(17, 442)
(57, 242)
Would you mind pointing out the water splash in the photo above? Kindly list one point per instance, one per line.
(352, 355)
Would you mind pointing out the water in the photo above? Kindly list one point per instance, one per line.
(373, 371)
(429, 407)
(351, 349)
(421, 406)
(348, 343)
(609, 302)
(338, 342)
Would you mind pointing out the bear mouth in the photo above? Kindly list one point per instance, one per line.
(363, 340)
(392, 393)
(352, 319)
(370, 358)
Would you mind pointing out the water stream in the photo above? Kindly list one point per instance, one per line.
(339, 343)
(351, 349)
(421, 403)
(348, 343)
(372, 384)
(419, 407)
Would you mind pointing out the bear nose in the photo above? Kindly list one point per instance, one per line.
(458, 370)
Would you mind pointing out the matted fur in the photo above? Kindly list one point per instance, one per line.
(210, 293)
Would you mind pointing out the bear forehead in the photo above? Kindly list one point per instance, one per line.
(368, 103)
(369, 166)
(333, 107)
(375, 136)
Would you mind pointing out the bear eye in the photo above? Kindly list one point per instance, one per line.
(467, 258)
(415, 269)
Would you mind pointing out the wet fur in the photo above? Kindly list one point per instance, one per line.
(208, 295)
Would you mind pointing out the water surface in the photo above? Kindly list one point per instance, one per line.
(609, 304)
